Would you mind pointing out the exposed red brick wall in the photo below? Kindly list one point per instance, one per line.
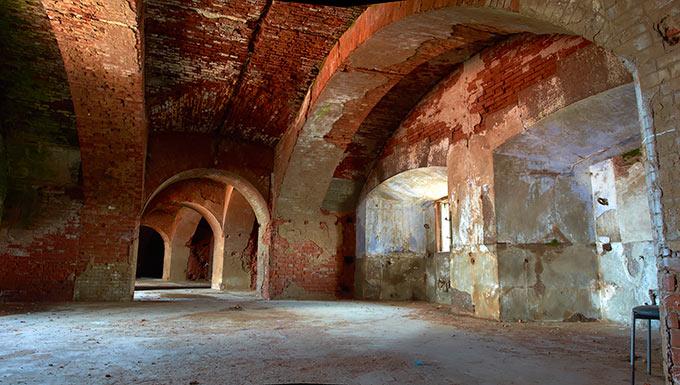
(40, 190)
(172, 153)
(249, 256)
(516, 65)
(508, 68)
(38, 262)
(290, 263)
(200, 253)
(301, 262)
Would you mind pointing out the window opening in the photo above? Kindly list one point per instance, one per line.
(444, 235)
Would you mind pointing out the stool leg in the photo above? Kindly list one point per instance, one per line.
(649, 348)
(632, 352)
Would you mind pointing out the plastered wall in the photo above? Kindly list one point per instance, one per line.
(627, 263)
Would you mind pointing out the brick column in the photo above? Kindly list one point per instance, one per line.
(101, 44)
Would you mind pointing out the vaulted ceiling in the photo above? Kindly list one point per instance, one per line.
(235, 69)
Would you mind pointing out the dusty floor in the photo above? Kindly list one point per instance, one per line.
(159, 284)
(200, 336)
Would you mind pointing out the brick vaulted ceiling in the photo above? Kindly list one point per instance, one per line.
(237, 69)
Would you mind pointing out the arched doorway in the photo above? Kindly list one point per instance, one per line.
(399, 238)
(150, 254)
(236, 214)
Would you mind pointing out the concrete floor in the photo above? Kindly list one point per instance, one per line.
(200, 336)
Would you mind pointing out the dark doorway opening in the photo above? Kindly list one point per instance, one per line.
(200, 256)
(150, 254)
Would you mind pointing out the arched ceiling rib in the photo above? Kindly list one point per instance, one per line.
(360, 154)
(368, 63)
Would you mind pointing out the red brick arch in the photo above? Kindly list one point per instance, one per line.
(159, 230)
(249, 192)
(356, 75)
(390, 40)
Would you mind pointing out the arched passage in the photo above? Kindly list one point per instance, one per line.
(389, 40)
(178, 265)
(248, 199)
(246, 188)
(397, 253)
(200, 253)
(151, 251)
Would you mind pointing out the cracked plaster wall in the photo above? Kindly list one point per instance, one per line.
(548, 267)
(399, 238)
(627, 262)
(396, 245)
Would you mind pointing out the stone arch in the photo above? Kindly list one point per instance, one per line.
(250, 193)
(158, 230)
(349, 87)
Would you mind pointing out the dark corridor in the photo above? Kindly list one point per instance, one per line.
(150, 254)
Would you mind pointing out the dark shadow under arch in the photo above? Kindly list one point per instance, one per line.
(150, 254)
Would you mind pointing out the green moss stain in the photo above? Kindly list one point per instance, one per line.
(31, 162)
(356, 13)
(553, 242)
(326, 108)
(632, 154)
(630, 158)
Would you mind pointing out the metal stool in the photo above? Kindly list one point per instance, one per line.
(648, 312)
